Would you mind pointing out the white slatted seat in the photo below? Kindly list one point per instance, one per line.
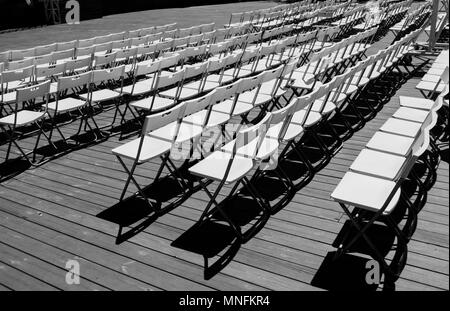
(391, 143)
(401, 127)
(378, 164)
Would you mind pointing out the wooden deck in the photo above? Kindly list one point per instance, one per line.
(66, 210)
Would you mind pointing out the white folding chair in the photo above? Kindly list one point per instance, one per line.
(23, 115)
(231, 168)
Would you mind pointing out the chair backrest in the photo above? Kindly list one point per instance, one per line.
(198, 104)
(284, 116)
(249, 83)
(103, 47)
(110, 74)
(158, 120)
(19, 64)
(144, 51)
(62, 54)
(75, 64)
(195, 70)
(305, 102)
(216, 64)
(121, 44)
(248, 135)
(147, 67)
(86, 43)
(168, 62)
(16, 75)
(21, 54)
(226, 91)
(85, 51)
(63, 46)
(169, 79)
(272, 74)
(42, 59)
(45, 49)
(126, 53)
(105, 59)
(50, 70)
(76, 81)
(137, 41)
(33, 92)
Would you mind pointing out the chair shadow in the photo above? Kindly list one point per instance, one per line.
(212, 240)
(445, 155)
(135, 212)
(274, 191)
(13, 168)
(381, 236)
(346, 273)
(243, 211)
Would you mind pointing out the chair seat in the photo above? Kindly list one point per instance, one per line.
(378, 164)
(366, 192)
(151, 148)
(215, 165)
(140, 87)
(416, 102)
(431, 78)
(430, 86)
(227, 105)
(411, 114)
(401, 127)
(66, 104)
(24, 117)
(313, 118)
(391, 143)
(215, 118)
(101, 95)
(159, 103)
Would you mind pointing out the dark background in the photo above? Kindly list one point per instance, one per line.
(18, 14)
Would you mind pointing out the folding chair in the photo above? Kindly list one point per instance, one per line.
(231, 168)
(21, 117)
(77, 66)
(50, 72)
(156, 103)
(66, 102)
(62, 56)
(103, 61)
(243, 100)
(148, 147)
(191, 72)
(11, 80)
(106, 86)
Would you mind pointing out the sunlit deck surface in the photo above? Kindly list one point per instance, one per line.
(65, 210)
